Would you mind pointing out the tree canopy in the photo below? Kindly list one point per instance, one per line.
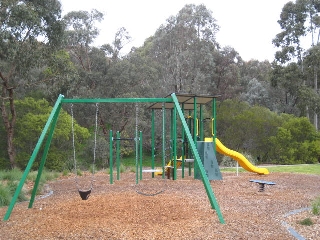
(43, 54)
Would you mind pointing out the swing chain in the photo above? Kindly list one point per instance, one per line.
(139, 190)
(94, 150)
(73, 141)
(95, 138)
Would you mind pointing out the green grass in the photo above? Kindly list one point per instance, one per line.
(13, 175)
(9, 181)
(306, 222)
(5, 196)
(316, 206)
(302, 169)
(146, 161)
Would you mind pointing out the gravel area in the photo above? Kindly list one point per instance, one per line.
(181, 210)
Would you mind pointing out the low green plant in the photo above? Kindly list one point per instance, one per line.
(92, 168)
(79, 173)
(65, 172)
(4, 196)
(316, 206)
(12, 186)
(122, 168)
(12, 175)
(306, 222)
(45, 176)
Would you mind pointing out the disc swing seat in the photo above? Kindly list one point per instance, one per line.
(84, 193)
(139, 187)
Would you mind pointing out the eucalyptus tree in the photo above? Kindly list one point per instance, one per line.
(311, 96)
(300, 23)
(225, 76)
(255, 83)
(29, 32)
(121, 38)
(80, 34)
(184, 47)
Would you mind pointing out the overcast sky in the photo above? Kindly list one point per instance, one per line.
(246, 25)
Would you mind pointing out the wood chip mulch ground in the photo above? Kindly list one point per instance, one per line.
(181, 211)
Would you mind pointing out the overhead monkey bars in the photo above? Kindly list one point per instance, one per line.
(175, 101)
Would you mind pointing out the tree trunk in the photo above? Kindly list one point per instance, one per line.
(9, 122)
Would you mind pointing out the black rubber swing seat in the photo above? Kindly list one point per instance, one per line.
(84, 194)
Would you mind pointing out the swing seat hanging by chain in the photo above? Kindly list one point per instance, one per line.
(84, 194)
(151, 187)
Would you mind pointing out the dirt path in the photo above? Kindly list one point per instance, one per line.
(182, 211)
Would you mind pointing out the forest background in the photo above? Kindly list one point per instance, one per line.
(266, 110)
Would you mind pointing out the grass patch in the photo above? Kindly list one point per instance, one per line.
(302, 169)
(65, 172)
(306, 222)
(13, 175)
(122, 168)
(9, 181)
(5, 196)
(12, 186)
(130, 161)
(316, 206)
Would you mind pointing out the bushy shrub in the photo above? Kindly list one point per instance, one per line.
(296, 142)
(228, 162)
(33, 115)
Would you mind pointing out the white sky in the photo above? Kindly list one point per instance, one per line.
(246, 25)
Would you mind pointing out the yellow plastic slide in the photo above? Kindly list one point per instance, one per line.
(243, 162)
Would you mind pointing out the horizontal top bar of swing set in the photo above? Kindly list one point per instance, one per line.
(118, 100)
(187, 100)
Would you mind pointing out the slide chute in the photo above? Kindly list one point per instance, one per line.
(243, 162)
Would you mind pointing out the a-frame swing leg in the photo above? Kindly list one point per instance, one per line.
(205, 180)
(44, 156)
(33, 157)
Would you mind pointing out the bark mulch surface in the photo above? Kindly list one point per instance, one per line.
(181, 211)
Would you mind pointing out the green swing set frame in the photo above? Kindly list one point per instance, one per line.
(177, 102)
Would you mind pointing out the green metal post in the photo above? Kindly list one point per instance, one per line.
(174, 131)
(195, 118)
(201, 123)
(195, 132)
(205, 180)
(152, 141)
(44, 156)
(182, 149)
(111, 157)
(118, 155)
(163, 140)
(137, 155)
(214, 124)
(171, 135)
(32, 158)
(189, 155)
(140, 153)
